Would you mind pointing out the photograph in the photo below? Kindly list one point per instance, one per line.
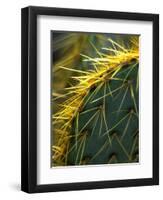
(94, 98)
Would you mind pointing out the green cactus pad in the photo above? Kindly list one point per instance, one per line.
(108, 127)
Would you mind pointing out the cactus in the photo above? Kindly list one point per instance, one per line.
(96, 118)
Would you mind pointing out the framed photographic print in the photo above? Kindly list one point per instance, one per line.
(90, 99)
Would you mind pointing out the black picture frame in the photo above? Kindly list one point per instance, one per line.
(29, 99)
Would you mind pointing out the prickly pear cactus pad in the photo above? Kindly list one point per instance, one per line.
(94, 98)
